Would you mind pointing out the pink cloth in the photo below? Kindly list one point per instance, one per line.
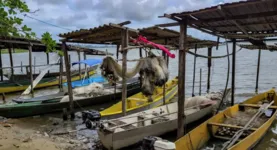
(142, 39)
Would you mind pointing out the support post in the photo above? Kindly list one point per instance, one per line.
(61, 75)
(30, 67)
(47, 60)
(85, 57)
(34, 65)
(79, 59)
(21, 67)
(200, 82)
(117, 51)
(181, 78)
(209, 68)
(258, 71)
(140, 76)
(1, 70)
(11, 61)
(164, 55)
(194, 67)
(125, 42)
(68, 76)
(233, 72)
(69, 60)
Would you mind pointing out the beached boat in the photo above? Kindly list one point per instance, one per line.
(140, 102)
(54, 104)
(248, 117)
(16, 86)
(152, 122)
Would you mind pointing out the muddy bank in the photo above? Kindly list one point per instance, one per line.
(44, 133)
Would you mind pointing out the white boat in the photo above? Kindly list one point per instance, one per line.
(125, 131)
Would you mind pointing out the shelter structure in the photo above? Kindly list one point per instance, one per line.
(119, 34)
(251, 20)
(12, 43)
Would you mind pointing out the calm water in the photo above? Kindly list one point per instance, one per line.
(246, 67)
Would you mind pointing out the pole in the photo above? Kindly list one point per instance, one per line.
(68, 76)
(61, 74)
(117, 51)
(125, 41)
(31, 71)
(200, 82)
(11, 61)
(34, 65)
(47, 59)
(79, 59)
(209, 68)
(1, 70)
(69, 60)
(164, 55)
(258, 71)
(85, 57)
(21, 67)
(181, 78)
(194, 67)
(233, 71)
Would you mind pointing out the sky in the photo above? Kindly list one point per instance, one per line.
(83, 14)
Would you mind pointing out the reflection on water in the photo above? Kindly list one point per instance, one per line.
(246, 63)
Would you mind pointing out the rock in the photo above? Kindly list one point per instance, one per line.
(26, 140)
(71, 142)
(45, 134)
(16, 145)
(7, 125)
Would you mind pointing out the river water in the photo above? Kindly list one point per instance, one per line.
(246, 68)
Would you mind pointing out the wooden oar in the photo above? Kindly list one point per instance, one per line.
(262, 109)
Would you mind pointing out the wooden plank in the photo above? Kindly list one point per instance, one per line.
(256, 106)
(229, 126)
(68, 76)
(200, 81)
(233, 72)
(30, 67)
(125, 40)
(181, 78)
(258, 71)
(209, 69)
(194, 67)
(168, 24)
(11, 60)
(79, 59)
(61, 74)
(47, 60)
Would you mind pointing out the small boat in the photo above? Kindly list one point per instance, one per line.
(54, 105)
(239, 127)
(152, 122)
(16, 86)
(139, 102)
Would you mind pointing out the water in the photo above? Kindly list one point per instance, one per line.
(246, 67)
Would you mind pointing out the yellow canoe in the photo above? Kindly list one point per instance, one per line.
(8, 87)
(139, 102)
(209, 130)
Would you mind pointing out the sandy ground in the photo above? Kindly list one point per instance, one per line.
(39, 134)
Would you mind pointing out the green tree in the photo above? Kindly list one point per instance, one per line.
(10, 22)
(50, 43)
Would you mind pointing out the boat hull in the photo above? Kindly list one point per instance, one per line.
(118, 140)
(38, 108)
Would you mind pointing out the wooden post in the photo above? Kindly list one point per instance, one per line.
(68, 77)
(140, 75)
(258, 71)
(181, 78)
(125, 42)
(34, 65)
(200, 82)
(1, 70)
(79, 59)
(30, 67)
(47, 60)
(61, 75)
(21, 67)
(209, 68)
(11, 61)
(233, 72)
(194, 67)
(164, 55)
(117, 51)
(69, 60)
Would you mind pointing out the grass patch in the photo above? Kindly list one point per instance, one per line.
(6, 51)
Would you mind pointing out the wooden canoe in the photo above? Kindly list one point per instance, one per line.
(38, 108)
(9, 87)
(209, 130)
(139, 102)
(128, 130)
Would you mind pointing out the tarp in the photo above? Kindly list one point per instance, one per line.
(90, 62)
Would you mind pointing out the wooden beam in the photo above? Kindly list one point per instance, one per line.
(168, 24)
(124, 23)
(125, 42)
(181, 78)
(79, 59)
(11, 61)
(30, 67)
(47, 60)
(20, 42)
(258, 71)
(209, 69)
(68, 76)
(124, 28)
(233, 72)
(200, 82)
(1, 70)
(194, 67)
(61, 74)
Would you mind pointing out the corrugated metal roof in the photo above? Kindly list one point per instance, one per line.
(254, 16)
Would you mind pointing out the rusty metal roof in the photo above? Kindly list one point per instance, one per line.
(38, 46)
(244, 19)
